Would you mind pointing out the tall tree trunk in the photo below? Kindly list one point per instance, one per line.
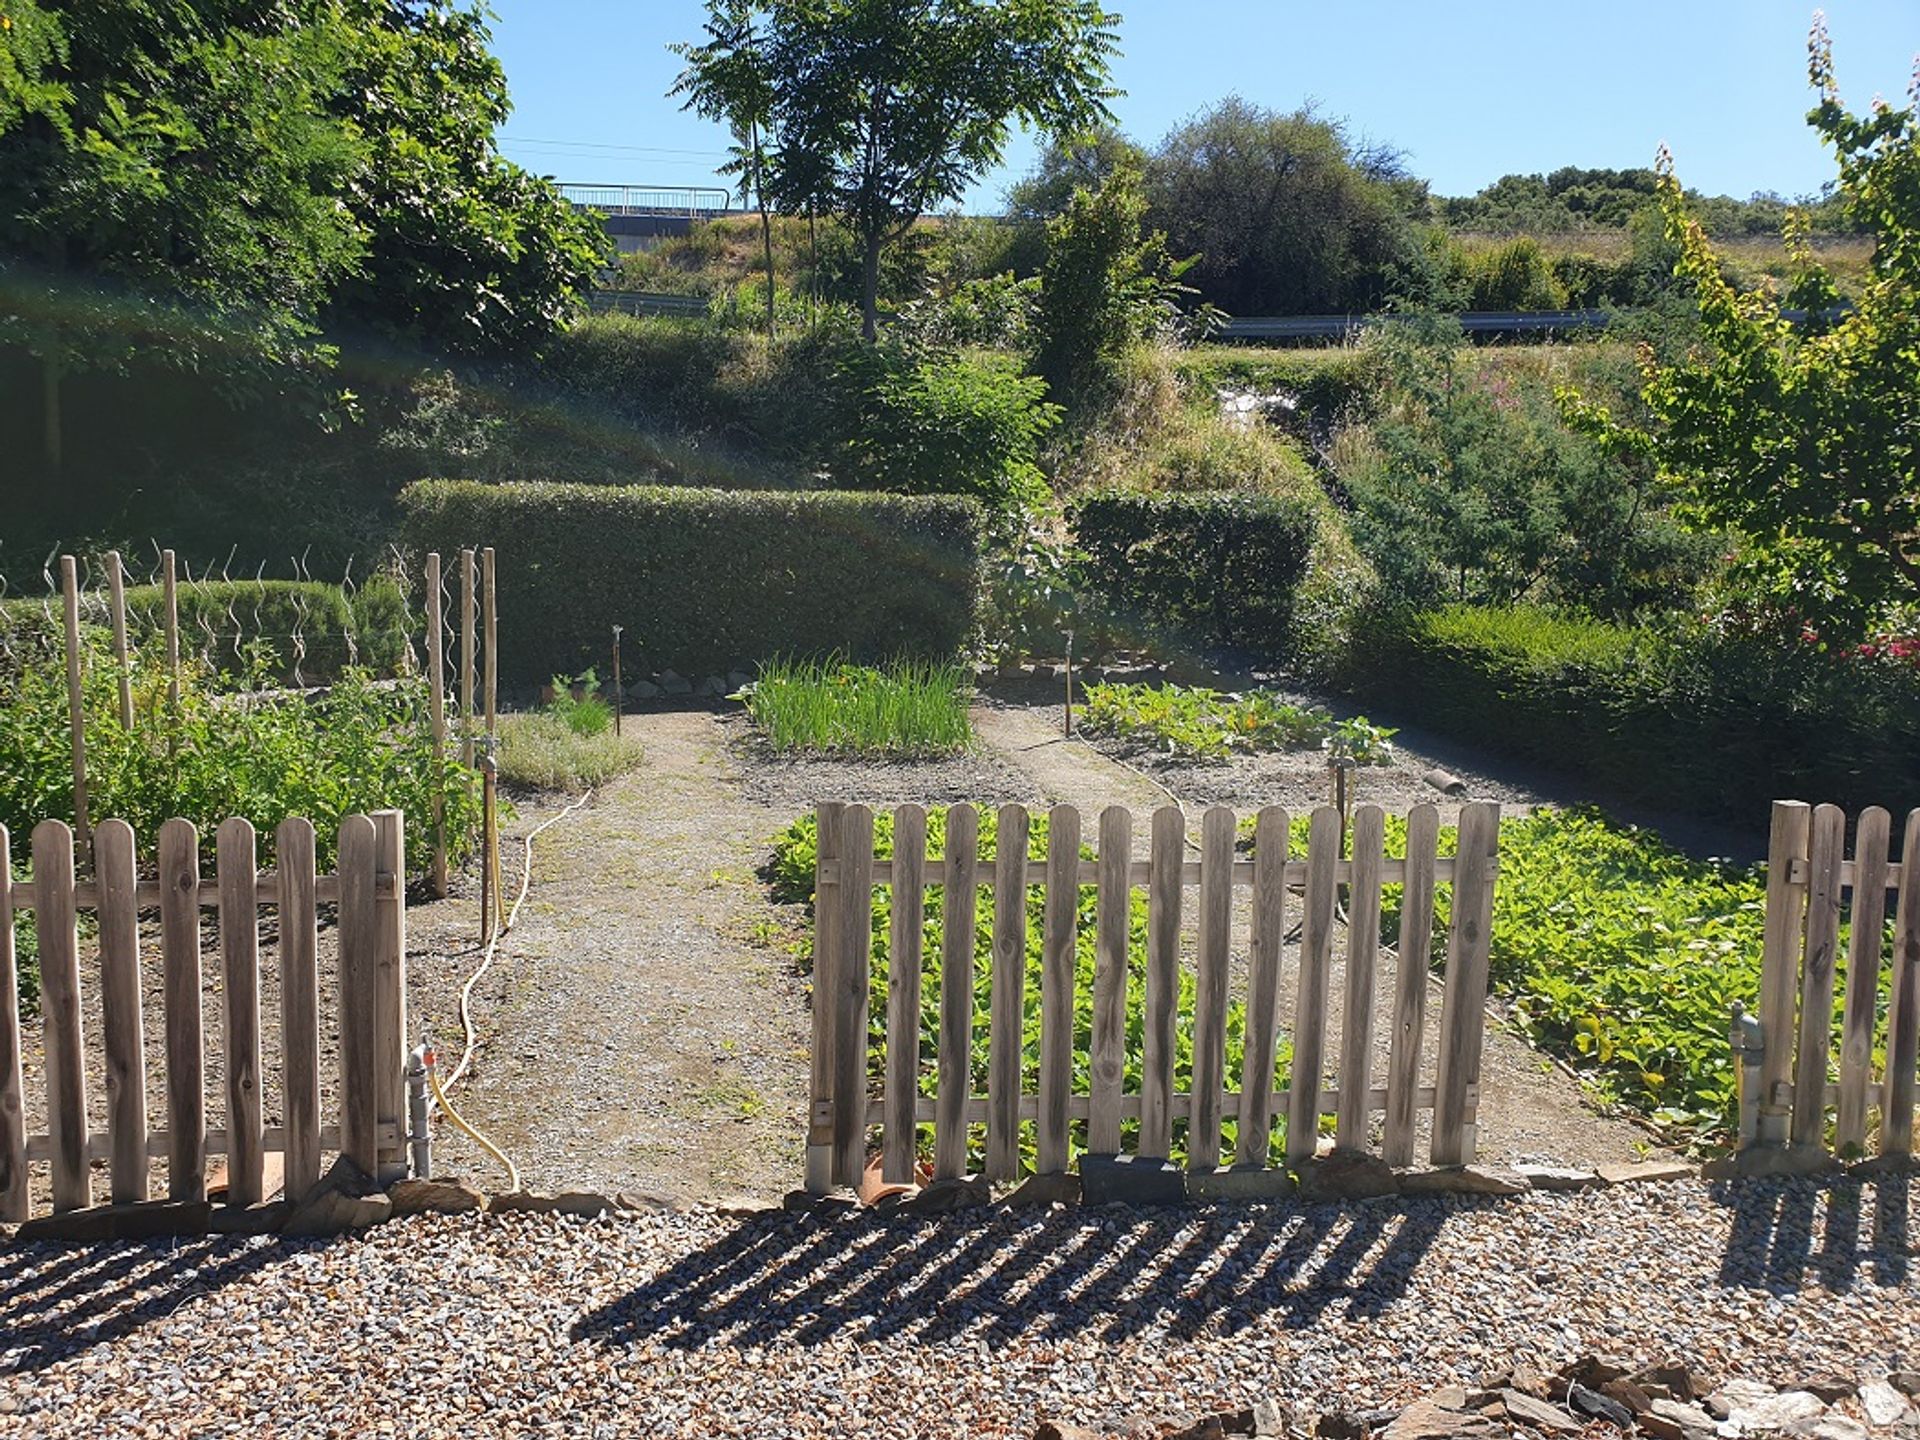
(766, 222)
(870, 289)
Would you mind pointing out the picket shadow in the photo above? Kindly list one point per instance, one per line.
(1830, 1230)
(996, 1275)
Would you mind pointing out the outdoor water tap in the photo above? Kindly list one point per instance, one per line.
(419, 1136)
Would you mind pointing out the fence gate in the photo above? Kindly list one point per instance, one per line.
(1788, 1096)
(369, 889)
(1083, 1068)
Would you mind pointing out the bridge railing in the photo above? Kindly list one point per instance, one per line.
(696, 201)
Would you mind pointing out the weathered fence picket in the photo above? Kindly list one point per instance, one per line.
(1794, 1099)
(369, 886)
(1078, 1078)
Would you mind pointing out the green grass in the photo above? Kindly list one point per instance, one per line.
(541, 750)
(910, 708)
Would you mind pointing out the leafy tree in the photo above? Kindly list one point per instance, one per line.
(1804, 440)
(1104, 286)
(726, 79)
(466, 253)
(883, 111)
(1287, 214)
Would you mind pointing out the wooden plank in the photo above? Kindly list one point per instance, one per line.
(294, 846)
(1316, 963)
(1060, 929)
(179, 849)
(959, 912)
(1410, 984)
(899, 1143)
(852, 1022)
(148, 894)
(234, 850)
(467, 656)
(160, 1143)
(1780, 960)
(1863, 978)
(974, 1108)
(1163, 982)
(170, 603)
(490, 612)
(1826, 844)
(390, 906)
(13, 1101)
(824, 992)
(1007, 1004)
(76, 706)
(1272, 834)
(117, 609)
(1463, 1026)
(1392, 872)
(359, 980)
(1107, 1068)
(437, 717)
(1210, 993)
(126, 1055)
(56, 930)
(1903, 1005)
(1363, 955)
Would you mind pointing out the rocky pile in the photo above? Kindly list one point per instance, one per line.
(1597, 1395)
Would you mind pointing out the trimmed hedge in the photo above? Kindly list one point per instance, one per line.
(1219, 568)
(705, 579)
(1714, 723)
(314, 629)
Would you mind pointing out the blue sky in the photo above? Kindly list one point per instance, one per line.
(1469, 89)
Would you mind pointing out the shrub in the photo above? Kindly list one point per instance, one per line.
(823, 706)
(586, 714)
(1217, 568)
(791, 875)
(544, 752)
(1722, 724)
(706, 578)
(1201, 723)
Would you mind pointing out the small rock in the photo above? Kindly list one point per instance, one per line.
(644, 690)
(344, 1199)
(1884, 1405)
(1907, 1382)
(1268, 1419)
(672, 684)
(1239, 1182)
(1628, 1394)
(442, 1197)
(1690, 1418)
(1645, 1171)
(1673, 1377)
(1601, 1407)
(649, 1202)
(1215, 1427)
(943, 1197)
(1593, 1371)
(713, 685)
(1829, 1387)
(1463, 1180)
(1347, 1175)
(587, 1204)
(802, 1202)
(1523, 1409)
(738, 680)
(1130, 1180)
(1426, 1420)
(1061, 1430)
(1765, 1414)
(1340, 1425)
(1058, 1188)
(1833, 1427)
(1558, 1178)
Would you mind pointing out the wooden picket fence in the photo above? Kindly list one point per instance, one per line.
(1284, 887)
(368, 888)
(1788, 1096)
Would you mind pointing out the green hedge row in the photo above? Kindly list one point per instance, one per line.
(1715, 723)
(703, 579)
(313, 629)
(1212, 567)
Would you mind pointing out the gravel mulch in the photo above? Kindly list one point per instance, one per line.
(781, 1325)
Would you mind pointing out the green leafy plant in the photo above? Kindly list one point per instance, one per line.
(579, 705)
(1199, 723)
(824, 706)
(1360, 740)
(542, 751)
(791, 878)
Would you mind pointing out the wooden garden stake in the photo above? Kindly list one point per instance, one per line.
(492, 618)
(117, 595)
(619, 695)
(466, 657)
(76, 710)
(437, 709)
(171, 595)
(1069, 729)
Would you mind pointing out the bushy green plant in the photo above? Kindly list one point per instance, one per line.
(544, 752)
(579, 705)
(706, 579)
(791, 876)
(824, 706)
(1199, 723)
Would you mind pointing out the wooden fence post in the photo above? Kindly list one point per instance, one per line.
(1107, 1065)
(959, 908)
(1316, 963)
(58, 935)
(13, 1106)
(1353, 1110)
(294, 858)
(1826, 849)
(903, 994)
(1007, 1007)
(1410, 985)
(117, 599)
(1463, 1020)
(126, 1070)
(821, 1111)
(390, 909)
(1169, 831)
(854, 978)
(1210, 992)
(1903, 1005)
(238, 877)
(359, 989)
(466, 657)
(1265, 942)
(186, 1036)
(76, 705)
(1780, 963)
(1863, 978)
(1060, 921)
(491, 612)
(437, 712)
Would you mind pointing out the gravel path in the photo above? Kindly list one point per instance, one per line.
(782, 1325)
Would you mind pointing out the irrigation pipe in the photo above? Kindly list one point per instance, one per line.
(469, 1035)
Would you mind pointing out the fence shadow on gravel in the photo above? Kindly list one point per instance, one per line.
(1829, 1230)
(798, 1280)
(56, 1304)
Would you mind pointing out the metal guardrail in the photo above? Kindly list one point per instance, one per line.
(645, 302)
(1474, 322)
(699, 202)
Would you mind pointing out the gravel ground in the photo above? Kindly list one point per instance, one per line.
(778, 1325)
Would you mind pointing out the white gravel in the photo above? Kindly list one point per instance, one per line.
(771, 1325)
